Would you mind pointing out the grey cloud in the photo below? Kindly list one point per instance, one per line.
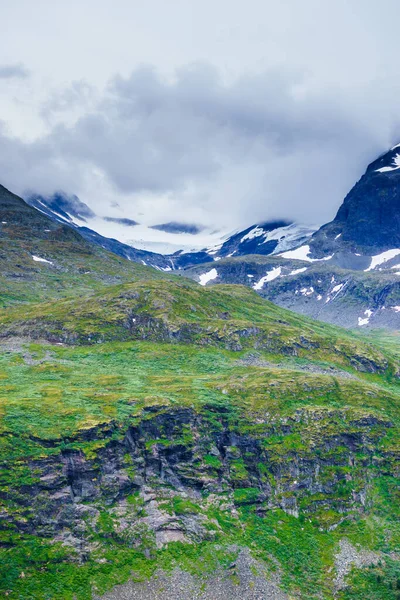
(16, 71)
(263, 146)
(78, 95)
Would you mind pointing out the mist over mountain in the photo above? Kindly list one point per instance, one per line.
(199, 300)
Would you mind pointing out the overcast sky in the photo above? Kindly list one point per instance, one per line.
(222, 112)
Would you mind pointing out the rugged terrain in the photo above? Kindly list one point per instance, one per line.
(348, 297)
(346, 273)
(264, 238)
(163, 439)
(42, 258)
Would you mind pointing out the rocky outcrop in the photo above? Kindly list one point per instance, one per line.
(159, 475)
(368, 221)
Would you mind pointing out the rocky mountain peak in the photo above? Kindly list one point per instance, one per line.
(368, 221)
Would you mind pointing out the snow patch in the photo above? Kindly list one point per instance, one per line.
(214, 249)
(379, 259)
(338, 236)
(307, 291)
(270, 276)
(253, 233)
(204, 278)
(364, 321)
(337, 288)
(289, 236)
(302, 254)
(395, 165)
(296, 271)
(334, 291)
(396, 308)
(43, 260)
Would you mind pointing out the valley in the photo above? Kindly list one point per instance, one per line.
(179, 433)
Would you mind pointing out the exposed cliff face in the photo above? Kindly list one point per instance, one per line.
(177, 463)
(368, 221)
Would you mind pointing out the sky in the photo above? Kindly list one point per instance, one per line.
(217, 112)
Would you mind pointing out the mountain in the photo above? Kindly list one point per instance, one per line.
(164, 439)
(368, 221)
(161, 436)
(266, 238)
(42, 258)
(347, 272)
(365, 234)
(61, 206)
(319, 289)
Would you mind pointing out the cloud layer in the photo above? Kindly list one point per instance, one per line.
(278, 119)
(15, 71)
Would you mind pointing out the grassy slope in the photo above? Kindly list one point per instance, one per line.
(178, 310)
(74, 266)
(297, 393)
(76, 269)
(51, 394)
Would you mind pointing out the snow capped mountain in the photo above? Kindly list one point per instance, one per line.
(158, 238)
(62, 207)
(368, 222)
(347, 272)
(172, 245)
(266, 238)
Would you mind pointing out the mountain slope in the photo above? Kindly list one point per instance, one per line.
(319, 289)
(348, 272)
(265, 238)
(163, 435)
(368, 221)
(40, 257)
(173, 433)
(232, 317)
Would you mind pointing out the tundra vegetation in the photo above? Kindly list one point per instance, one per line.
(147, 424)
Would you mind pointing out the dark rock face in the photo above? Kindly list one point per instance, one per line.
(63, 205)
(188, 452)
(369, 218)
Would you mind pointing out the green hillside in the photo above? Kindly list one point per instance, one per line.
(159, 425)
(163, 436)
(41, 259)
